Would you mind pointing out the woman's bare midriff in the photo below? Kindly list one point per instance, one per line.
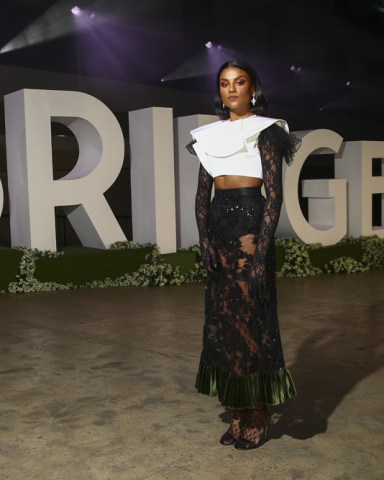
(225, 182)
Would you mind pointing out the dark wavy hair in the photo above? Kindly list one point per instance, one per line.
(261, 105)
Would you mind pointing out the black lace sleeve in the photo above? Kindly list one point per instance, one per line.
(202, 203)
(271, 160)
(275, 145)
(286, 144)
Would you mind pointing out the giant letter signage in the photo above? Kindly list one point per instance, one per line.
(327, 198)
(34, 193)
(355, 164)
(186, 173)
(152, 177)
(163, 184)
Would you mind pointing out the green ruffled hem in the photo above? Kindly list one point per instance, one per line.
(240, 392)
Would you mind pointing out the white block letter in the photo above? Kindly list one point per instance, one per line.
(327, 218)
(152, 177)
(186, 171)
(34, 193)
(355, 164)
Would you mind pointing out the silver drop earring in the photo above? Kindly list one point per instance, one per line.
(223, 106)
(253, 100)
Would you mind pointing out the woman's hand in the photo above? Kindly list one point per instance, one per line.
(258, 283)
(209, 259)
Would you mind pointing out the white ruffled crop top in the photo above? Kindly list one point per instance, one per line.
(230, 147)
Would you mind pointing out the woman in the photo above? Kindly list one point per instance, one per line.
(242, 360)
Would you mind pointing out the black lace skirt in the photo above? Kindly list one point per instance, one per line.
(242, 359)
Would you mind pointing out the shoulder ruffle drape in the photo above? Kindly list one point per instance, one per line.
(215, 144)
(284, 142)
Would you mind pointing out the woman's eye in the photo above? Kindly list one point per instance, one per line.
(240, 82)
(223, 85)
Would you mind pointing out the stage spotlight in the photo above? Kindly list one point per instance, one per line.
(293, 68)
(209, 44)
(348, 83)
(55, 22)
(76, 10)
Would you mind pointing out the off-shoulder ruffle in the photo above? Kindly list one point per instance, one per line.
(190, 148)
(225, 138)
(284, 142)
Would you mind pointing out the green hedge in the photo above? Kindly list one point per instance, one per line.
(82, 265)
(127, 263)
(321, 256)
(9, 266)
(280, 256)
(184, 260)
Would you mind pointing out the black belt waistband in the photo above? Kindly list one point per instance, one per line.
(233, 192)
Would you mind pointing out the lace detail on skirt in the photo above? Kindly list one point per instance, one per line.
(242, 358)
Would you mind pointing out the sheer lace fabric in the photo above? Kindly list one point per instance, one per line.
(242, 359)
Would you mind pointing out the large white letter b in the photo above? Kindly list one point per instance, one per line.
(34, 193)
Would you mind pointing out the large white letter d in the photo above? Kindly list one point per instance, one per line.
(34, 193)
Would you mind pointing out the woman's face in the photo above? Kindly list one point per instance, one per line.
(236, 91)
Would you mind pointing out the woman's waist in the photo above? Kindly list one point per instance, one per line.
(224, 182)
(238, 191)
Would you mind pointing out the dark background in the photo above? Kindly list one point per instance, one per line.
(332, 42)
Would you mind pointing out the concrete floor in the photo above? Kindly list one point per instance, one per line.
(99, 385)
